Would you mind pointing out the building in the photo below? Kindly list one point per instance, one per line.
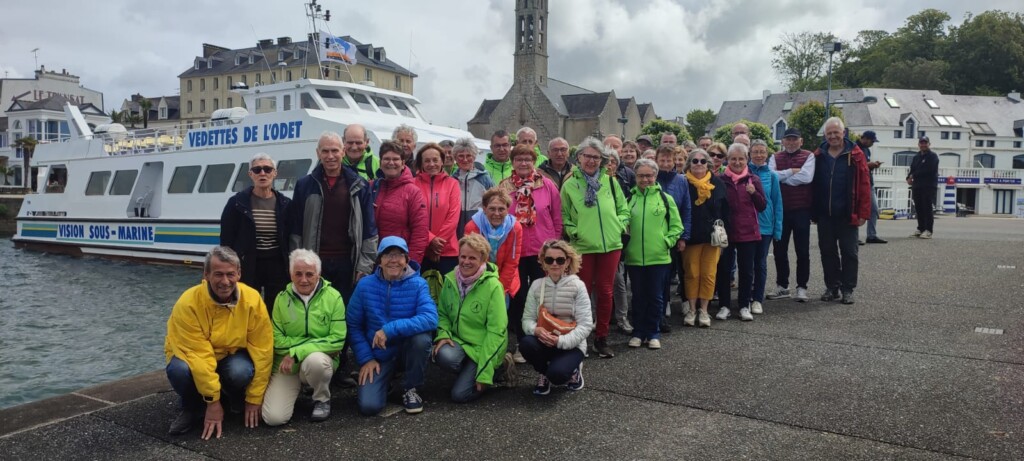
(44, 84)
(164, 112)
(206, 85)
(979, 139)
(552, 107)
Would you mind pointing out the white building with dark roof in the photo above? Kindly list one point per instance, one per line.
(979, 139)
(164, 111)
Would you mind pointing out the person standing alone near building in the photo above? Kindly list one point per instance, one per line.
(924, 179)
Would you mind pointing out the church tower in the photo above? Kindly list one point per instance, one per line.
(531, 46)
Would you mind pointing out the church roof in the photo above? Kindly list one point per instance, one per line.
(585, 105)
(483, 114)
(556, 89)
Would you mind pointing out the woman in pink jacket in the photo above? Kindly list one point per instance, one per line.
(399, 207)
(443, 207)
(745, 197)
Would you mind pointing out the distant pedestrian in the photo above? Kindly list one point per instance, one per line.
(924, 180)
(865, 142)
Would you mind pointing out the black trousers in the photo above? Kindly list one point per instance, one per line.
(837, 240)
(795, 223)
(529, 270)
(924, 201)
(269, 275)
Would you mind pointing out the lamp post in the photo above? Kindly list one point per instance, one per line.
(623, 121)
(831, 49)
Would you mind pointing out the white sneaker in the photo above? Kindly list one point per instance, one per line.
(916, 233)
(723, 314)
(518, 358)
(686, 307)
(691, 316)
(756, 308)
(926, 234)
(634, 342)
(745, 314)
(705, 319)
(654, 344)
(801, 295)
(779, 292)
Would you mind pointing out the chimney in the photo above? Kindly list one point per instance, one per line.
(281, 41)
(1014, 96)
(265, 43)
(764, 96)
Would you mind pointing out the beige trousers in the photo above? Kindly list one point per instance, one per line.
(279, 400)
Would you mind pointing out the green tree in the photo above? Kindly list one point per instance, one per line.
(757, 131)
(799, 60)
(5, 170)
(117, 117)
(918, 74)
(809, 118)
(986, 53)
(699, 120)
(27, 145)
(922, 36)
(658, 126)
(145, 105)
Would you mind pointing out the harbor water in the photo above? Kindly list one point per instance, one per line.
(69, 323)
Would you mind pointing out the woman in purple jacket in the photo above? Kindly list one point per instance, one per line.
(745, 196)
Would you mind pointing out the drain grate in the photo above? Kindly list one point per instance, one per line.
(1005, 267)
(988, 331)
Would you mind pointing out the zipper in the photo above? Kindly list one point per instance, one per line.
(831, 179)
(643, 226)
(430, 211)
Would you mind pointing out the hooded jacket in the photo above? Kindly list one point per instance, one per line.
(498, 170)
(549, 223)
(841, 185)
(743, 208)
(402, 308)
(598, 228)
(478, 323)
(654, 227)
(556, 177)
(675, 185)
(238, 229)
(366, 167)
(770, 219)
(401, 210)
(472, 185)
(509, 253)
(301, 329)
(444, 205)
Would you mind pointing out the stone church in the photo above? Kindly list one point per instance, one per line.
(552, 107)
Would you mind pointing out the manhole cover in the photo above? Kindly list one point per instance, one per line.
(988, 331)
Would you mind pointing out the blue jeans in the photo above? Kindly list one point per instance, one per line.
(235, 372)
(743, 254)
(453, 359)
(798, 224)
(557, 364)
(873, 221)
(761, 268)
(648, 283)
(415, 352)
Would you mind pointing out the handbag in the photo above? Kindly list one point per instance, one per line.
(718, 236)
(547, 321)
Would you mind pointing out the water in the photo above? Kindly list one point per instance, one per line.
(70, 323)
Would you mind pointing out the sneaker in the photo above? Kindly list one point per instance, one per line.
(517, 357)
(926, 234)
(603, 349)
(183, 423)
(801, 295)
(916, 233)
(756, 308)
(543, 386)
(634, 342)
(830, 295)
(685, 308)
(654, 344)
(322, 411)
(625, 326)
(412, 401)
(704, 319)
(860, 242)
(780, 292)
(876, 240)
(847, 298)
(576, 381)
(745, 314)
(723, 313)
(689, 318)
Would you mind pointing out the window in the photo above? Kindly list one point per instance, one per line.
(956, 135)
(216, 178)
(383, 105)
(990, 144)
(288, 75)
(306, 101)
(202, 105)
(949, 160)
(259, 78)
(891, 101)
(189, 107)
(944, 135)
(188, 84)
(273, 76)
(911, 128)
(202, 84)
(984, 161)
(788, 106)
(780, 129)
(333, 98)
(979, 143)
(231, 81)
(242, 179)
(368, 74)
(245, 79)
(216, 83)
(931, 103)
(1003, 201)
(903, 158)
(286, 102)
(952, 121)
(1018, 162)
(363, 102)
(266, 104)
(216, 103)
(941, 120)
(897, 134)
(922, 133)
(163, 113)
(124, 180)
(184, 179)
(980, 128)
(98, 181)
(1016, 144)
(289, 171)
(398, 82)
(402, 108)
(231, 102)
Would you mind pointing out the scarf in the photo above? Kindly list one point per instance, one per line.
(465, 283)
(736, 177)
(495, 236)
(525, 210)
(593, 185)
(703, 186)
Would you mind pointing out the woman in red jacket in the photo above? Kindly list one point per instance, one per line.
(745, 195)
(399, 207)
(443, 207)
(505, 235)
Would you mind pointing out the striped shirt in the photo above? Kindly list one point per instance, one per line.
(265, 216)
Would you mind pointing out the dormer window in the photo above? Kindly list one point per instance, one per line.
(198, 60)
(238, 59)
(931, 103)
(209, 64)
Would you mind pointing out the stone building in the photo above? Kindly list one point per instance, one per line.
(164, 111)
(552, 107)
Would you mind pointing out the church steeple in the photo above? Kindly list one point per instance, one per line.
(531, 44)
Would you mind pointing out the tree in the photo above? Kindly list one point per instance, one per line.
(799, 60)
(5, 170)
(809, 118)
(144, 105)
(27, 145)
(918, 74)
(698, 121)
(922, 36)
(757, 131)
(658, 126)
(117, 117)
(986, 53)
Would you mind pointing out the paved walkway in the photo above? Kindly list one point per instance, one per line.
(904, 373)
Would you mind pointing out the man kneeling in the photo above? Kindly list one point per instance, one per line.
(309, 331)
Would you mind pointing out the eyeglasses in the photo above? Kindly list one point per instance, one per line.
(392, 256)
(717, 155)
(262, 169)
(591, 157)
(554, 261)
(391, 160)
(699, 161)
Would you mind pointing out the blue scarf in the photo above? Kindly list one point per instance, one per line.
(494, 236)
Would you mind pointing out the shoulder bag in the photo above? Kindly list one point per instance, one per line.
(547, 321)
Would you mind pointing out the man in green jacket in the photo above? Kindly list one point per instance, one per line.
(357, 155)
(309, 332)
(498, 163)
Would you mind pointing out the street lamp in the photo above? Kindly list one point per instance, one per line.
(831, 49)
(623, 121)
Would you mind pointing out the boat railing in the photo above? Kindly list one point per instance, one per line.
(145, 141)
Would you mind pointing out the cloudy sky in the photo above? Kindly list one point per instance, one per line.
(678, 54)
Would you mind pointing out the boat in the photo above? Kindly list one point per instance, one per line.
(157, 195)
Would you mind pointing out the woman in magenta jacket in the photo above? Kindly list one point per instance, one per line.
(745, 195)
(443, 207)
(399, 207)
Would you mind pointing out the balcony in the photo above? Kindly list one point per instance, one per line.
(962, 176)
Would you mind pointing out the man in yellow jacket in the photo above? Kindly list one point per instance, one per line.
(219, 341)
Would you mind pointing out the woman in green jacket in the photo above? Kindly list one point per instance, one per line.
(654, 227)
(309, 330)
(594, 216)
(472, 333)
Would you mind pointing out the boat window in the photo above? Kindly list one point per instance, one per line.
(402, 108)
(306, 101)
(56, 181)
(333, 99)
(266, 104)
(242, 180)
(363, 102)
(184, 179)
(383, 105)
(289, 171)
(98, 181)
(216, 178)
(124, 180)
(287, 102)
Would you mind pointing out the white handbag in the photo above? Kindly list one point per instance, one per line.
(718, 236)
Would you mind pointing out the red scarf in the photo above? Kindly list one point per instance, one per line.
(525, 212)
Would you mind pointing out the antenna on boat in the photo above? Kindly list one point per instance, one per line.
(259, 46)
(314, 12)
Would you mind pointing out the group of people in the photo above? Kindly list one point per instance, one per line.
(407, 256)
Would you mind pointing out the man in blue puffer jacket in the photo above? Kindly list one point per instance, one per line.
(390, 320)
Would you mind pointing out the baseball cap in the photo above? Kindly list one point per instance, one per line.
(792, 132)
(645, 138)
(923, 139)
(392, 241)
(869, 135)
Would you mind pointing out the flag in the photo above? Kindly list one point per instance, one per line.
(335, 49)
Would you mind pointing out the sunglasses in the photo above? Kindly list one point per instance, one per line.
(699, 161)
(552, 261)
(262, 169)
(718, 155)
